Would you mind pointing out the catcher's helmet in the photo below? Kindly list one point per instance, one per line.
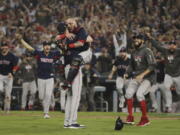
(119, 124)
(61, 27)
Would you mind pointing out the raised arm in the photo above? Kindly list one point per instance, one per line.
(24, 43)
(89, 39)
(157, 46)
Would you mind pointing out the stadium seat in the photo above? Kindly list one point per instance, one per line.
(103, 103)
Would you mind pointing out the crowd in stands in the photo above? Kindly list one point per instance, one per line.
(111, 23)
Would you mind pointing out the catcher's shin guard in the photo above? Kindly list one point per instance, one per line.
(72, 74)
(76, 62)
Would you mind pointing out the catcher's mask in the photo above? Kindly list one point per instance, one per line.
(61, 27)
(118, 124)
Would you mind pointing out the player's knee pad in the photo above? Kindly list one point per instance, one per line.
(140, 96)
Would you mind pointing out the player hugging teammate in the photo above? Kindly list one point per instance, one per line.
(75, 41)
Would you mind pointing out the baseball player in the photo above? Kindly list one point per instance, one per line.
(90, 76)
(172, 70)
(159, 83)
(45, 72)
(27, 75)
(8, 67)
(78, 52)
(120, 65)
(141, 66)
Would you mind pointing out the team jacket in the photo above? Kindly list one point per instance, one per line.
(172, 60)
(45, 64)
(27, 70)
(141, 60)
(81, 36)
(7, 63)
(121, 65)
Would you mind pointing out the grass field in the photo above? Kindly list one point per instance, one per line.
(98, 123)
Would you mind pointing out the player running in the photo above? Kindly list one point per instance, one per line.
(120, 65)
(45, 72)
(142, 65)
(8, 67)
(27, 75)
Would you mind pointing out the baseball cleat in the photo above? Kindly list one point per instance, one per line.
(130, 120)
(153, 110)
(66, 126)
(46, 116)
(76, 126)
(143, 122)
(168, 110)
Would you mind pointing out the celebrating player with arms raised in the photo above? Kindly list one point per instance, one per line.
(45, 72)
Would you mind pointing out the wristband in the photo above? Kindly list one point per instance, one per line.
(71, 45)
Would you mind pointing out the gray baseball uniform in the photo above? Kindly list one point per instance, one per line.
(141, 60)
(27, 74)
(172, 69)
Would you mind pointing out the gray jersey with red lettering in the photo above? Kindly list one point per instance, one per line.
(141, 60)
(172, 59)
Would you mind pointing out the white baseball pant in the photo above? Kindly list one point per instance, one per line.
(168, 82)
(86, 55)
(63, 99)
(45, 88)
(28, 86)
(152, 91)
(120, 84)
(73, 98)
(6, 86)
(141, 89)
(53, 102)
